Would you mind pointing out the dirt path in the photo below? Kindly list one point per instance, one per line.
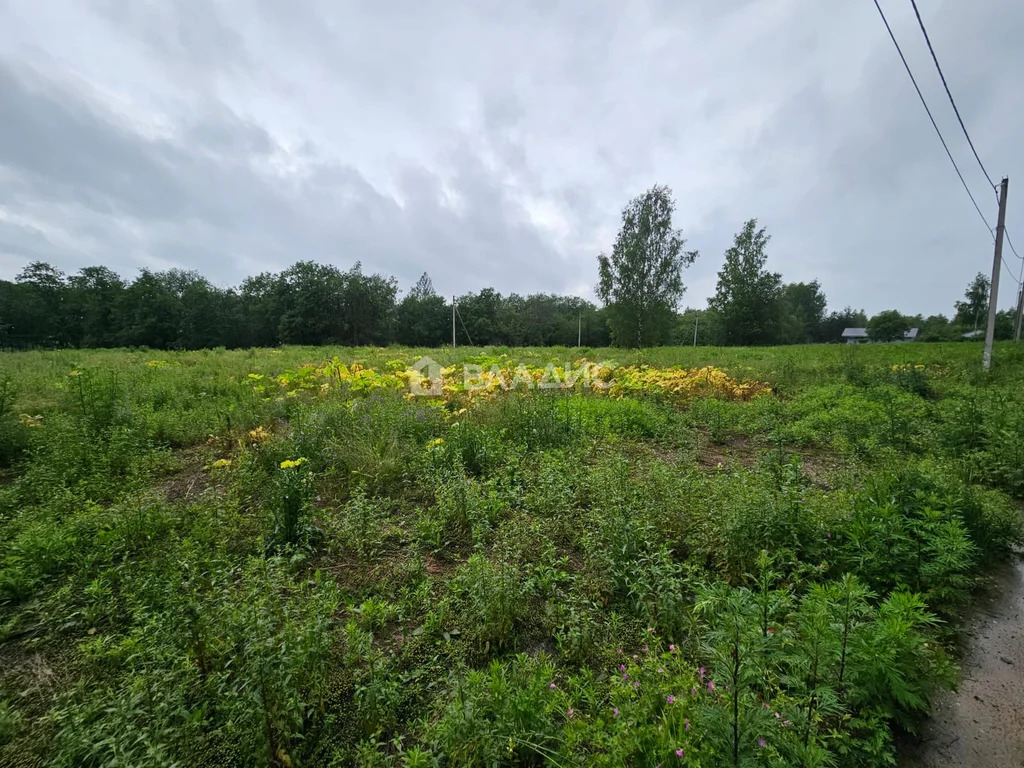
(982, 724)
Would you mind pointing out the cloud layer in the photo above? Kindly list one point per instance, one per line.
(494, 143)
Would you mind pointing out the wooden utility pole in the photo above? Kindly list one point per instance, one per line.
(579, 330)
(990, 332)
(696, 322)
(453, 321)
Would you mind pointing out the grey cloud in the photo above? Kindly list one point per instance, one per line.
(495, 144)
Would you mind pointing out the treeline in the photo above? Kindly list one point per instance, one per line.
(640, 284)
(314, 304)
(308, 303)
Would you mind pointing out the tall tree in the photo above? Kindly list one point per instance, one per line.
(642, 281)
(889, 325)
(803, 311)
(41, 317)
(748, 295)
(974, 308)
(367, 307)
(95, 296)
(423, 319)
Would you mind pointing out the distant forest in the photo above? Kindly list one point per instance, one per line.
(311, 303)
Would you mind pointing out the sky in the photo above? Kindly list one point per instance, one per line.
(495, 143)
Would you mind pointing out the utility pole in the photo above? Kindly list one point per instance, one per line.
(453, 321)
(990, 332)
(579, 330)
(696, 322)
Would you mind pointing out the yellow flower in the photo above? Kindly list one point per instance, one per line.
(436, 442)
(289, 464)
(221, 463)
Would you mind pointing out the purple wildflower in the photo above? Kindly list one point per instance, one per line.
(711, 686)
(761, 742)
(680, 754)
(552, 686)
(615, 711)
(670, 699)
(686, 724)
(570, 713)
(700, 674)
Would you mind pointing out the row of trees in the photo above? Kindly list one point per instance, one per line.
(307, 303)
(640, 283)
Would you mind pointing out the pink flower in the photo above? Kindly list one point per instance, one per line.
(661, 670)
(711, 686)
(570, 713)
(828, 535)
(552, 686)
(680, 754)
(700, 674)
(686, 724)
(636, 683)
(622, 667)
(635, 657)
(672, 648)
(670, 699)
(625, 675)
(762, 743)
(615, 711)
(693, 691)
(620, 650)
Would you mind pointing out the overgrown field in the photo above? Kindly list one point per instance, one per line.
(748, 557)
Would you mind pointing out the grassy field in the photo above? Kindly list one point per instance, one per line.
(705, 557)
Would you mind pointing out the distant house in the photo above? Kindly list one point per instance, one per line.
(860, 335)
(855, 335)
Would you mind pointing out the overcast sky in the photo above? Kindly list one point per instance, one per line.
(495, 142)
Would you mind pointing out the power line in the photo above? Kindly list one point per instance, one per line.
(1008, 240)
(935, 58)
(926, 109)
(1008, 272)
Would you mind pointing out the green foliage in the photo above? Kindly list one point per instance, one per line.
(642, 280)
(789, 570)
(889, 325)
(747, 298)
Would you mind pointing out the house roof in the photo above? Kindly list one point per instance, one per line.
(862, 333)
